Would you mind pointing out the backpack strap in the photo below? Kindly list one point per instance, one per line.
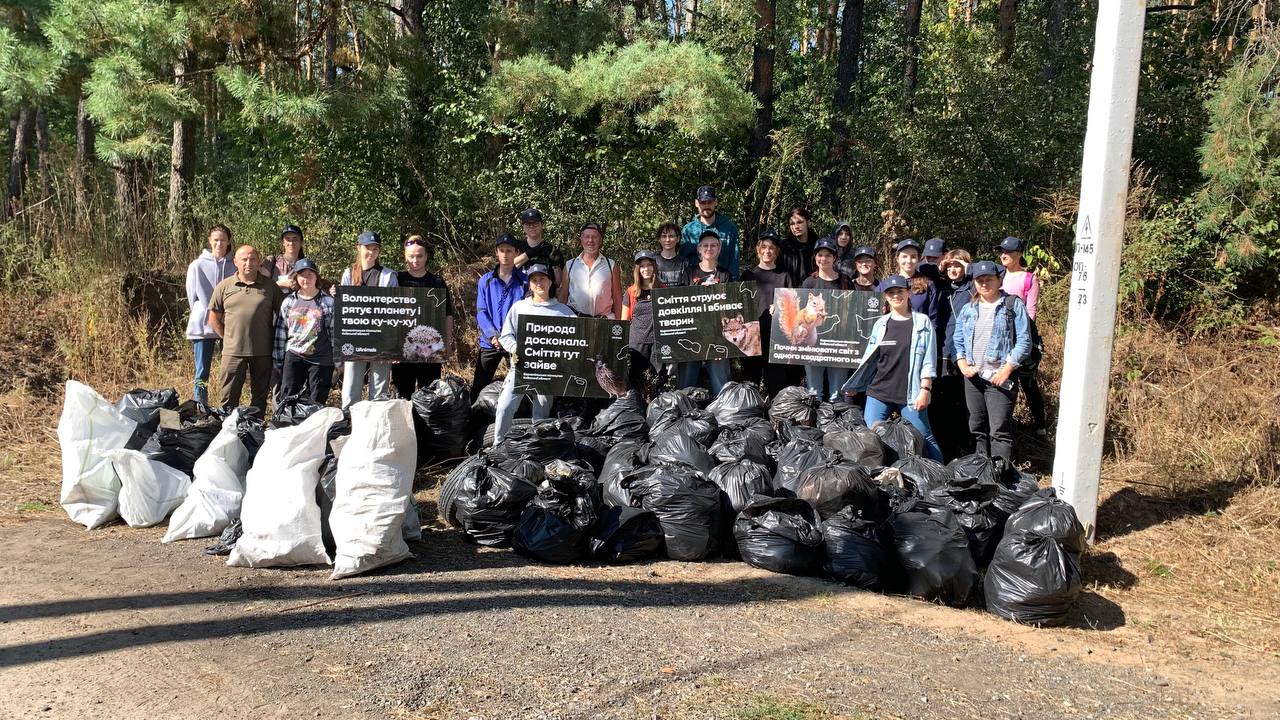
(1008, 318)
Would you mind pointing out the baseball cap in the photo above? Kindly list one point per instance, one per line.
(903, 244)
(864, 250)
(706, 193)
(983, 267)
(291, 229)
(936, 247)
(592, 226)
(767, 234)
(709, 232)
(826, 243)
(531, 215)
(894, 281)
(304, 264)
(537, 268)
(368, 237)
(507, 239)
(1011, 243)
(646, 255)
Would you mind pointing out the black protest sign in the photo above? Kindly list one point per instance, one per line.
(380, 324)
(572, 356)
(828, 328)
(707, 322)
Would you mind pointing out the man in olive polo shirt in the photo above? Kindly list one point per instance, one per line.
(242, 309)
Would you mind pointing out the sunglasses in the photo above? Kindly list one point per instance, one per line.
(420, 243)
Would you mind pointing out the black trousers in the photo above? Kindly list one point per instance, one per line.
(298, 374)
(487, 363)
(1029, 381)
(949, 416)
(409, 377)
(990, 417)
(771, 376)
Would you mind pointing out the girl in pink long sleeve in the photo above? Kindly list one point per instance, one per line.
(1020, 282)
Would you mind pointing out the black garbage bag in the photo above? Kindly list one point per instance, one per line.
(780, 535)
(901, 437)
(740, 446)
(796, 405)
(485, 408)
(933, 552)
(1034, 577)
(787, 431)
(249, 429)
(326, 491)
(758, 428)
(836, 484)
(924, 474)
(687, 505)
(442, 413)
(698, 425)
(1015, 489)
(836, 416)
(794, 458)
(973, 502)
(626, 535)
(623, 458)
(976, 466)
(738, 403)
(699, 396)
(143, 407)
(556, 526)
(293, 410)
(859, 551)
(490, 502)
(669, 404)
(682, 448)
(227, 540)
(860, 445)
(541, 441)
(592, 451)
(623, 419)
(179, 449)
(739, 481)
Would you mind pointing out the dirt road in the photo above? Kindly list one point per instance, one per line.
(113, 624)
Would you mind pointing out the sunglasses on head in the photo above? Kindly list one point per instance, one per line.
(421, 243)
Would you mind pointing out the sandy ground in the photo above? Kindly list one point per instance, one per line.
(113, 624)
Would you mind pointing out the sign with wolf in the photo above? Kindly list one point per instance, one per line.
(707, 322)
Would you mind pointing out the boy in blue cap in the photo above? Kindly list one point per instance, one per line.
(496, 291)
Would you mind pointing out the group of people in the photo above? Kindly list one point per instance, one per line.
(955, 343)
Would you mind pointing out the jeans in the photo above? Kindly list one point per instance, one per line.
(353, 380)
(878, 411)
(298, 374)
(508, 401)
(232, 374)
(203, 351)
(990, 417)
(487, 363)
(409, 377)
(835, 377)
(717, 374)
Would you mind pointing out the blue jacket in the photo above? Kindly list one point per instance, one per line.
(730, 245)
(1001, 347)
(957, 299)
(494, 299)
(923, 357)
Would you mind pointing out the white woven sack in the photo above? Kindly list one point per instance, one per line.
(89, 428)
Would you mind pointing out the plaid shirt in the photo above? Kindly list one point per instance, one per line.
(322, 298)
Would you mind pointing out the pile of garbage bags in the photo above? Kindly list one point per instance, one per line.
(792, 486)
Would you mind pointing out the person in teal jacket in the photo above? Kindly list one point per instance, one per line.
(730, 245)
(899, 365)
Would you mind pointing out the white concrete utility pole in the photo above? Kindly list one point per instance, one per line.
(1095, 271)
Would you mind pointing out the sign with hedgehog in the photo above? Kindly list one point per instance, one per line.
(572, 356)
(707, 322)
(381, 324)
(828, 328)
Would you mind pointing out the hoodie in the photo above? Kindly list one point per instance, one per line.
(203, 275)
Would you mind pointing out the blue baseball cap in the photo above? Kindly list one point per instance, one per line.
(1011, 243)
(894, 281)
(768, 234)
(531, 215)
(537, 268)
(983, 267)
(827, 244)
(368, 237)
(706, 193)
(291, 229)
(304, 264)
(936, 247)
(507, 239)
(646, 255)
(710, 232)
(864, 250)
(903, 244)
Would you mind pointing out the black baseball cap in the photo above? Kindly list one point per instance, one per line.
(304, 264)
(903, 244)
(592, 226)
(770, 235)
(531, 215)
(828, 244)
(536, 268)
(706, 193)
(983, 267)
(935, 247)
(291, 229)
(1011, 243)
(864, 250)
(710, 232)
(507, 239)
(646, 255)
(369, 237)
(894, 281)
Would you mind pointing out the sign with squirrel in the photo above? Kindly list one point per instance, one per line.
(822, 327)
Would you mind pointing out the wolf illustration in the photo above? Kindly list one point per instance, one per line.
(744, 335)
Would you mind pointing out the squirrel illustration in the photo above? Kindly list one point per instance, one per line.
(800, 324)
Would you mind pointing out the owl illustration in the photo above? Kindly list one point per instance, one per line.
(608, 379)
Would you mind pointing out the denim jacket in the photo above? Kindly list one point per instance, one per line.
(1001, 347)
(922, 358)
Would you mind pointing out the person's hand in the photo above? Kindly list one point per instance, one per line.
(515, 358)
(922, 400)
(1002, 376)
(968, 370)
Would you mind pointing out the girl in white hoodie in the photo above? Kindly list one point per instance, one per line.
(203, 275)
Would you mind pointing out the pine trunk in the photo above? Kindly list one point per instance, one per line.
(42, 155)
(182, 159)
(84, 161)
(847, 70)
(1007, 16)
(911, 51)
(23, 130)
(762, 60)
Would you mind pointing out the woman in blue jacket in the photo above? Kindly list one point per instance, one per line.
(898, 364)
(992, 337)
